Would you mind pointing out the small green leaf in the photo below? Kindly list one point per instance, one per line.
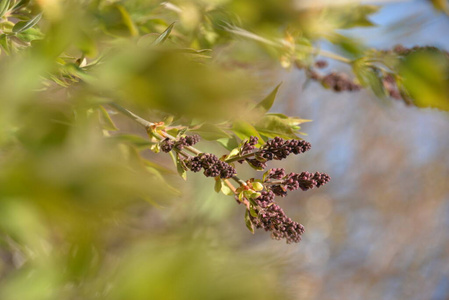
(248, 222)
(218, 184)
(164, 35)
(226, 190)
(24, 25)
(257, 186)
(253, 212)
(106, 120)
(181, 168)
(241, 196)
(234, 152)
(267, 103)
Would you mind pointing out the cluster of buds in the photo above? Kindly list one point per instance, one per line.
(271, 217)
(168, 144)
(262, 210)
(275, 149)
(257, 195)
(279, 182)
(212, 166)
(338, 82)
(402, 50)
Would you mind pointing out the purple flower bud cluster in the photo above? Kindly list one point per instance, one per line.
(294, 181)
(338, 82)
(249, 145)
(401, 50)
(212, 166)
(168, 144)
(271, 217)
(279, 148)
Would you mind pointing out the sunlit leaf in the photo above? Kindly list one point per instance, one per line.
(268, 101)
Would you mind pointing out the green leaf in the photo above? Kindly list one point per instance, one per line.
(228, 143)
(164, 35)
(234, 152)
(267, 103)
(181, 168)
(24, 25)
(257, 186)
(128, 21)
(4, 43)
(253, 212)
(218, 184)
(369, 77)
(273, 125)
(106, 120)
(211, 132)
(226, 190)
(424, 76)
(248, 222)
(244, 130)
(4, 5)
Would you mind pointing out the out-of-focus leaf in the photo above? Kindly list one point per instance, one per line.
(4, 5)
(358, 16)
(369, 77)
(218, 184)
(441, 5)
(128, 21)
(226, 190)
(4, 43)
(164, 35)
(425, 75)
(24, 25)
(268, 101)
(106, 120)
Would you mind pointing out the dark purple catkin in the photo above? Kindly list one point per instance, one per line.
(189, 140)
(167, 145)
(279, 148)
(294, 181)
(272, 218)
(211, 165)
